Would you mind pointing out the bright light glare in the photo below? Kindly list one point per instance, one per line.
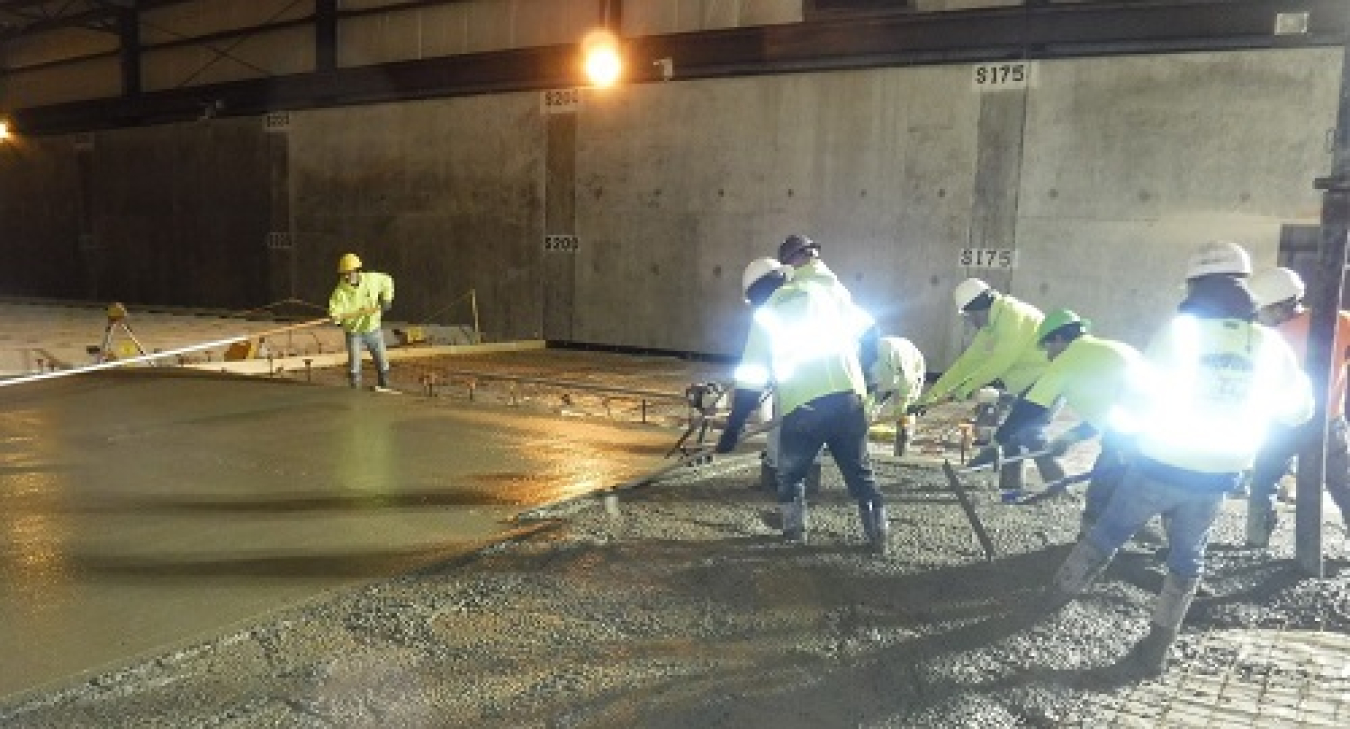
(4, 130)
(601, 59)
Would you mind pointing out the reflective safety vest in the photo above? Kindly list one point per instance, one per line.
(804, 339)
(366, 294)
(1210, 390)
(899, 369)
(1005, 349)
(1092, 375)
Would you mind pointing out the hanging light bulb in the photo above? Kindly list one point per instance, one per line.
(601, 59)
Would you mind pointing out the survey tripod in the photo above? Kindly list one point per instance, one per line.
(117, 320)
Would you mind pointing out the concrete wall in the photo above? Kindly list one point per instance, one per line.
(447, 196)
(1130, 162)
(680, 185)
(166, 215)
(40, 216)
(1103, 176)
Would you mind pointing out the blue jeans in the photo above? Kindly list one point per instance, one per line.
(839, 422)
(1282, 444)
(373, 341)
(1108, 471)
(1187, 514)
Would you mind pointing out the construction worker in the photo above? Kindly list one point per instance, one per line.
(357, 303)
(1279, 294)
(761, 278)
(896, 383)
(1212, 383)
(805, 340)
(1004, 349)
(1089, 375)
(800, 256)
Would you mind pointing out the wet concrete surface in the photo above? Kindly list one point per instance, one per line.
(683, 608)
(140, 508)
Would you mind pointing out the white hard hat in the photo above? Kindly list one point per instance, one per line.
(967, 291)
(1275, 285)
(1219, 257)
(756, 270)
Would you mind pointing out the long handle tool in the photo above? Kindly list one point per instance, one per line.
(1054, 488)
(700, 455)
(975, 524)
(1000, 463)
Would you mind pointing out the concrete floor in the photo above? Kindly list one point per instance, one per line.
(141, 509)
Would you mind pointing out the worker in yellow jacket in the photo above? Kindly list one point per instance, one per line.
(1089, 375)
(805, 340)
(1004, 349)
(357, 304)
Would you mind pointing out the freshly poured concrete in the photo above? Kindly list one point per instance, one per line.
(142, 509)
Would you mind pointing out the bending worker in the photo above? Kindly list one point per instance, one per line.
(1089, 375)
(1004, 349)
(1279, 293)
(357, 303)
(1213, 383)
(896, 381)
(761, 278)
(805, 340)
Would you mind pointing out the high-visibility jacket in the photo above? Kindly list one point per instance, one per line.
(1092, 375)
(804, 339)
(372, 291)
(1295, 332)
(1004, 349)
(899, 370)
(1210, 390)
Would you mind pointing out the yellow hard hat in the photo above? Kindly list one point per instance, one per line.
(348, 262)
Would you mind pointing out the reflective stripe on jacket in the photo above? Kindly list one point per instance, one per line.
(805, 340)
(1209, 392)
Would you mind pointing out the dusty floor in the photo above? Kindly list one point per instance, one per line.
(684, 609)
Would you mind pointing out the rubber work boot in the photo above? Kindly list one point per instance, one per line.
(1261, 523)
(876, 526)
(382, 379)
(1011, 476)
(1050, 469)
(1080, 569)
(1148, 657)
(813, 479)
(794, 521)
(768, 478)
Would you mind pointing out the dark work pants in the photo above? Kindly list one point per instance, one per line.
(836, 421)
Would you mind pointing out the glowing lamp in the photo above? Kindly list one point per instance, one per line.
(601, 59)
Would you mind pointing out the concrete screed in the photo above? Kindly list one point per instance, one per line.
(687, 610)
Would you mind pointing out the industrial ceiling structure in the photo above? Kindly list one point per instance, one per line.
(834, 35)
(23, 17)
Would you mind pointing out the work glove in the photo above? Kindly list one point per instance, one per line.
(918, 408)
